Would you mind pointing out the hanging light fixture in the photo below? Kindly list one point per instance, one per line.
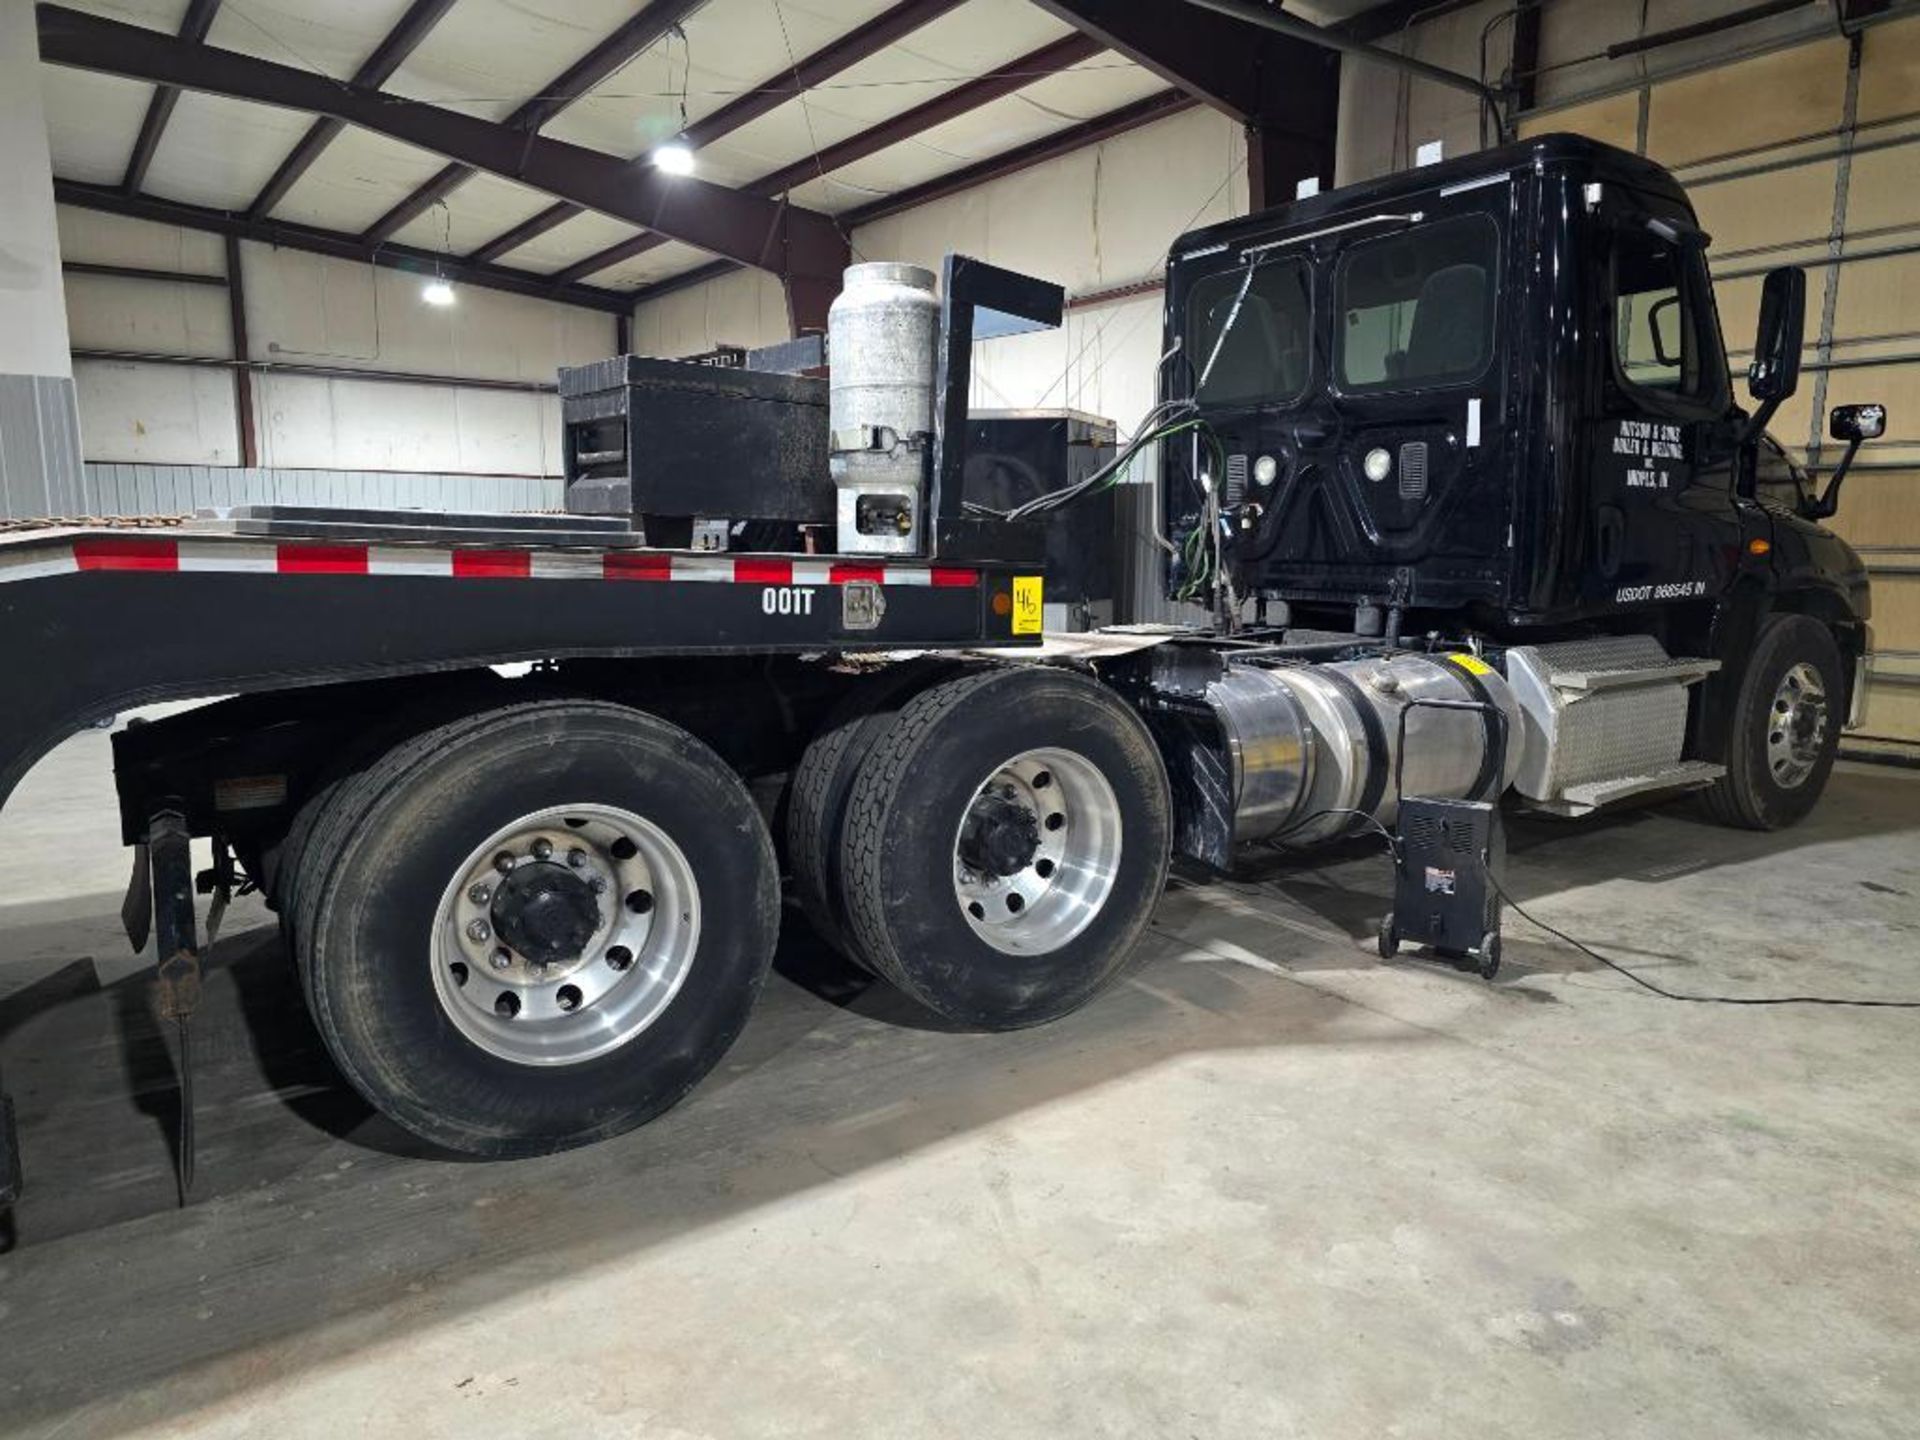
(438, 292)
(675, 157)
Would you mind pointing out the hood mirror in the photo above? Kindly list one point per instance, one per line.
(1853, 424)
(1857, 422)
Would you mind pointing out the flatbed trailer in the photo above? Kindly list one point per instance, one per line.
(103, 619)
(1468, 527)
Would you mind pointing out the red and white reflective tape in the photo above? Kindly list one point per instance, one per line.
(175, 556)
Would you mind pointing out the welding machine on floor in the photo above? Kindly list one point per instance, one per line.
(1447, 860)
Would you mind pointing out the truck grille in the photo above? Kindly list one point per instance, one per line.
(1236, 479)
(1413, 470)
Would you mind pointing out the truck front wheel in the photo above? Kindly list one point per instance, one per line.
(1005, 844)
(1785, 727)
(537, 927)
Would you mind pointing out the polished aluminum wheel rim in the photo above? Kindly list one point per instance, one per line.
(1075, 860)
(1796, 726)
(571, 1009)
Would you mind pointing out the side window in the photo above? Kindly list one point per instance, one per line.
(1664, 334)
(1417, 307)
(1263, 358)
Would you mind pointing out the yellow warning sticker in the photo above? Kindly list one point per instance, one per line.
(1026, 604)
(1472, 664)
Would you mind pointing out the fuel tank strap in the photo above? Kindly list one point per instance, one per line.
(1492, 720)
(1376, 733)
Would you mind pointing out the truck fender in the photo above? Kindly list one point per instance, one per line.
(1736, 630)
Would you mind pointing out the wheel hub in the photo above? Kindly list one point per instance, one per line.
(1000, 835)
(565, 933)
(546, 913)
(1797, 726)
(1037, 851)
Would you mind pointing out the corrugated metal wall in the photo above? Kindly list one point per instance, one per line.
(112, 489)
(39, 446)
(1808, 156)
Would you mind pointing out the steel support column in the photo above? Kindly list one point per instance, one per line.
(243, 356)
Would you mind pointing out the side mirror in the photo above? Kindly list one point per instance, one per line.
(1775, 372)
(1854, 423)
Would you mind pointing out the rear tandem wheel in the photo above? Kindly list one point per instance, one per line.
(1005, 844)
(536, 927)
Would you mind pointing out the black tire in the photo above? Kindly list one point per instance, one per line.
(904, 919)
(1749, 796)
(1490, 955)
(1388, 941)
(283, 863)
(823, 781)
(387, 841)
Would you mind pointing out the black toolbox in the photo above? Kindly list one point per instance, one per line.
(669, 442)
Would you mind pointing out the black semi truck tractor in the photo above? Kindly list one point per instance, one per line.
(1451, 459)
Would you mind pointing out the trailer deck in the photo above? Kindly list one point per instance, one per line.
(100, 618)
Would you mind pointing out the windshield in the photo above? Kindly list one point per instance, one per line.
(1263, 359)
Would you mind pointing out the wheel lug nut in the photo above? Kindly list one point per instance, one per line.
(576, 858)
(542, 849)
(502, 959)
(480, 894)
(479, 931)
(503, 862)
(597, 885)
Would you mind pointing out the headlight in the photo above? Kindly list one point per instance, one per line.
(1378, 464)
(1265, 470)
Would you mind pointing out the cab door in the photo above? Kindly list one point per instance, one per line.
(1417, 390)
(1665, 524)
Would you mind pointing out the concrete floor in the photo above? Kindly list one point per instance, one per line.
(1265, 1187)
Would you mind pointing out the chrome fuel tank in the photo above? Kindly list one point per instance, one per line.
(1313, 748)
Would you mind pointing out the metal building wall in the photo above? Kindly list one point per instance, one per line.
(114, 489)
(39, 446)
(1806, 154)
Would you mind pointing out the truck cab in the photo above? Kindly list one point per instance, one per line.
(1491, 392)
(1489, 400)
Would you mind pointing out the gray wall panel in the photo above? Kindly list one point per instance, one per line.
(40, 470)
(123, 489)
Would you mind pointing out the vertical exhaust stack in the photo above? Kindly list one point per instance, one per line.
(882, 336)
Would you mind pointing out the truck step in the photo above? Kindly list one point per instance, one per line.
(1583, 799)
(1672, 672)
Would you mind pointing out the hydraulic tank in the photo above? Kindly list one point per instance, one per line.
(1313, 748)
(882, 333)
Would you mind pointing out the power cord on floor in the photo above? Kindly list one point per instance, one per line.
(1666, 994)
(1393, 854)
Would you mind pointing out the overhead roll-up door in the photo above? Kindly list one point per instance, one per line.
(1810, 155)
